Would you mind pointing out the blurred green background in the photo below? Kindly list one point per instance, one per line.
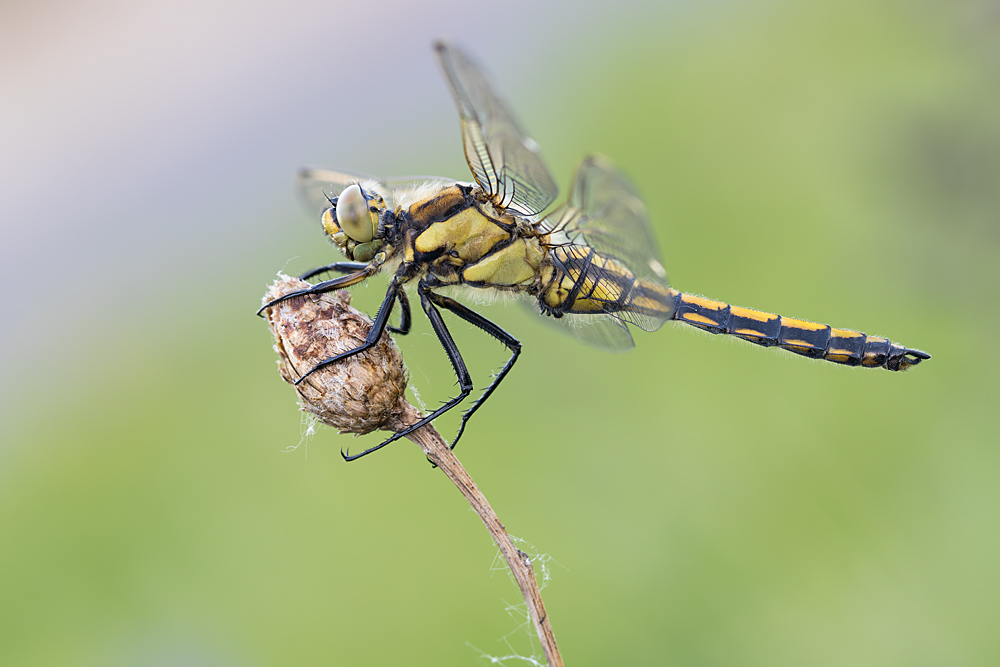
(704, 502)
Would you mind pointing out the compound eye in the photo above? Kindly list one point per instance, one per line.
(353, 215)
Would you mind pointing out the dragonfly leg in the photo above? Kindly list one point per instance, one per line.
(349, 267)
(404, 315)
(378, 326)
(338, 267)
(458, 364)
(325, 286)
(480, 322)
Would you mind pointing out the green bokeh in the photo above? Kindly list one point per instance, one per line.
(708, 502)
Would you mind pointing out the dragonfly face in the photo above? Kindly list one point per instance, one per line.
(594, 258)
(354, 223)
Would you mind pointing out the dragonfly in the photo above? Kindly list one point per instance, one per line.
(591, 264)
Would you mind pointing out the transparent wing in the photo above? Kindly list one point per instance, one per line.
(506, 162)
(602, 229)
(318, 185)
(606, 333)
(605, 212)
(597, 331)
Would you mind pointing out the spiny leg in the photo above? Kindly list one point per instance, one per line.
(338, 267)
(457, 363)
(378, 327)
(349, 267)
(480, 322)
(325, 286)
(404, 314)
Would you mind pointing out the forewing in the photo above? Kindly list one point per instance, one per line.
(605, 212)
(505, 161)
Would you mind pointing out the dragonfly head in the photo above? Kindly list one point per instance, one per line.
(352, 222)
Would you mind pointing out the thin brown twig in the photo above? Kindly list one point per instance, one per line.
(364, 393)
(443, 457)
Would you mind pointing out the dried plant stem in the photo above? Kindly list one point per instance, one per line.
(366, 392)
(437, 450)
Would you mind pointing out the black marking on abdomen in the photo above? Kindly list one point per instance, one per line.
(587, 263)
(845, 347)
(754, 326)
(810, 339)
(806, 338)
(712, 316)
(876, 352)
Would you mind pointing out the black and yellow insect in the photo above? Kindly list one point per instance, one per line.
(592, 263)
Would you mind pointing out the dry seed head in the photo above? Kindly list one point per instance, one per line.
(360, 394)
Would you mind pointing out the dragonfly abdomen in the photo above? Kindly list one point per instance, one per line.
(580, 281)
(810, 339)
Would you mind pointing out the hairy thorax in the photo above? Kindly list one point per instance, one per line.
(458, 238)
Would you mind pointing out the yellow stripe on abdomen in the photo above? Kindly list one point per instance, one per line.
(584, 282)
(810, 339)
